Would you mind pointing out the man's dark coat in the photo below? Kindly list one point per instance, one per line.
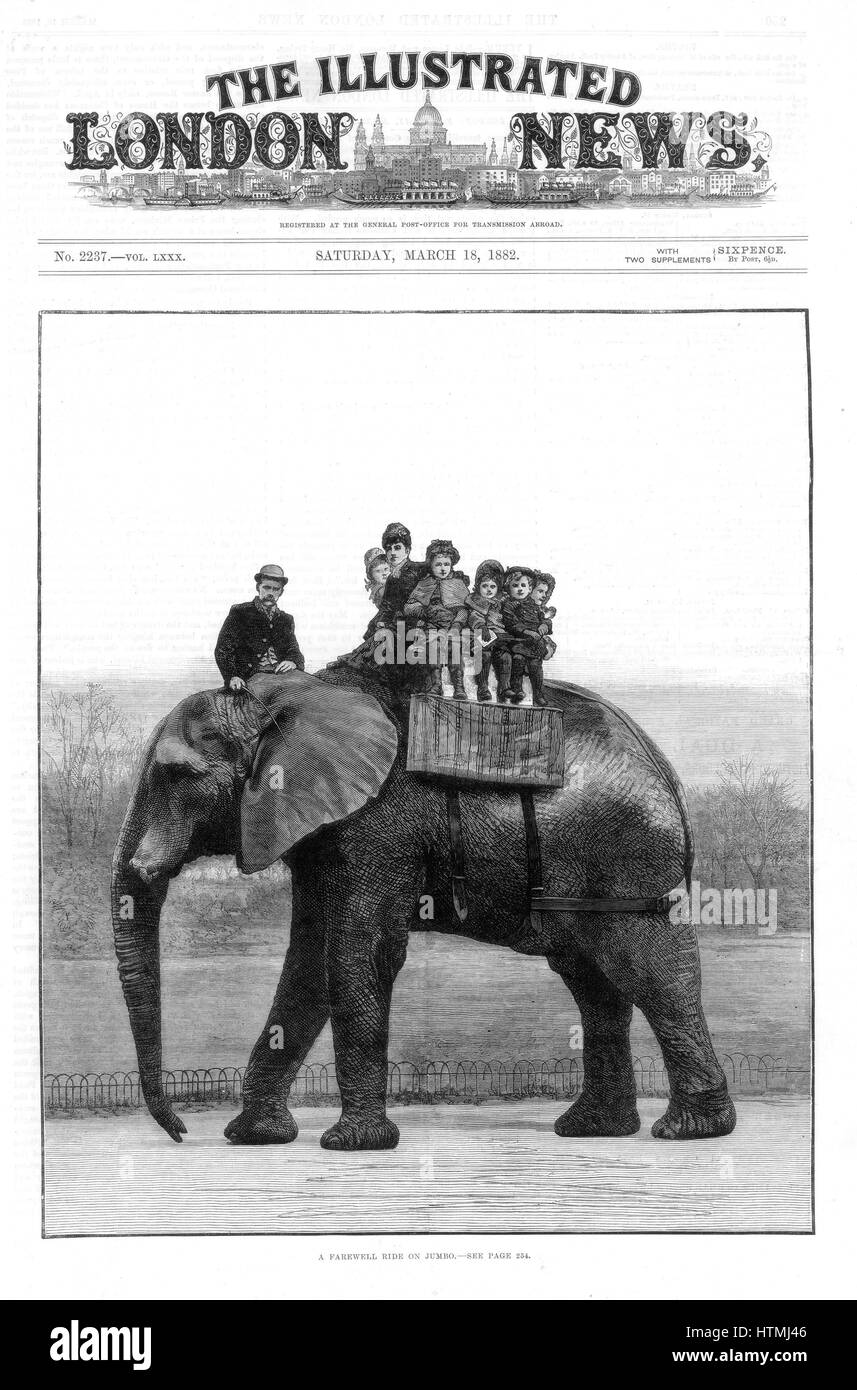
(246, 636)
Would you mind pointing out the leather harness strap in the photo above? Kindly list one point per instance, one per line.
(662, 904)
(534, 848)
(456, 845)
(537, 901)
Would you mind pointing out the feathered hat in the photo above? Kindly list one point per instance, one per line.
(439, 547)
(396, 532)
(372, 556)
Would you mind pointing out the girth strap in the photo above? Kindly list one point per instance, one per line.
(662, 904)
(537, 901)
(534, 848)
(456, 846)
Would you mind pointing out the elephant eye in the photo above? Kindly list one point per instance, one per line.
(175, 770)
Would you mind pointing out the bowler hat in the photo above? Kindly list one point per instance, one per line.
(271, 572)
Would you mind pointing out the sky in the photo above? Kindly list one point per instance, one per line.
(656, 464)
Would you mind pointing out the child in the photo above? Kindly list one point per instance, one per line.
(542, 593)
(487, 624)
(524, 624)
(439, 602)
(377, 569)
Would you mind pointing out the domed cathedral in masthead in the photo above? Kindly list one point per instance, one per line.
(428, 128)
(428, 144)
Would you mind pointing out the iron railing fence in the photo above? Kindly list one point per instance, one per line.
(409, 1082)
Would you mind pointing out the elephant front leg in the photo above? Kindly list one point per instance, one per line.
(362, 965)
(607, 1105)
(297, 1016)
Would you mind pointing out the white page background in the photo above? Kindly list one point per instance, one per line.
(565, 1267)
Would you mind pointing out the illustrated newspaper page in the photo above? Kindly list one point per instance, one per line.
(413, 435)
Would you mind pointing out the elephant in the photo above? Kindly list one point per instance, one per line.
(365, 840)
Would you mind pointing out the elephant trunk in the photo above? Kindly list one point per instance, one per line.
(136, 907)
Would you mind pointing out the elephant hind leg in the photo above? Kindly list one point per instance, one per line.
(607, 1105)
(671, 1000)
(695, 1110)
(710, 1117)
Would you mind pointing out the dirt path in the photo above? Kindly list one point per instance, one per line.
(492, 1168)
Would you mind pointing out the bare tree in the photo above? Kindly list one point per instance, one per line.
(92, 751)
(65, 721)
(713, 835)
(760, 819)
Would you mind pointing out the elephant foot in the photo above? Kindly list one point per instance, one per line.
(586, 1119)
(348, 1134)
(705, 1116)
(275, 1126)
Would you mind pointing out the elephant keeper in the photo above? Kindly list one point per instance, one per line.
(258, 636)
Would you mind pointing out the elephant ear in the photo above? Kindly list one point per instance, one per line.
(324, 754)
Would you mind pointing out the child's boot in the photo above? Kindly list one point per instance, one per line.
(435, 685)
(503, 668)
(458, 691)
(537, 681)
(517, 692)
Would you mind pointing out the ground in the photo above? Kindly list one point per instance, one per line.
(491, 1168)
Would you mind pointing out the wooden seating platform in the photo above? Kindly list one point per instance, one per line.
(505, 745)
